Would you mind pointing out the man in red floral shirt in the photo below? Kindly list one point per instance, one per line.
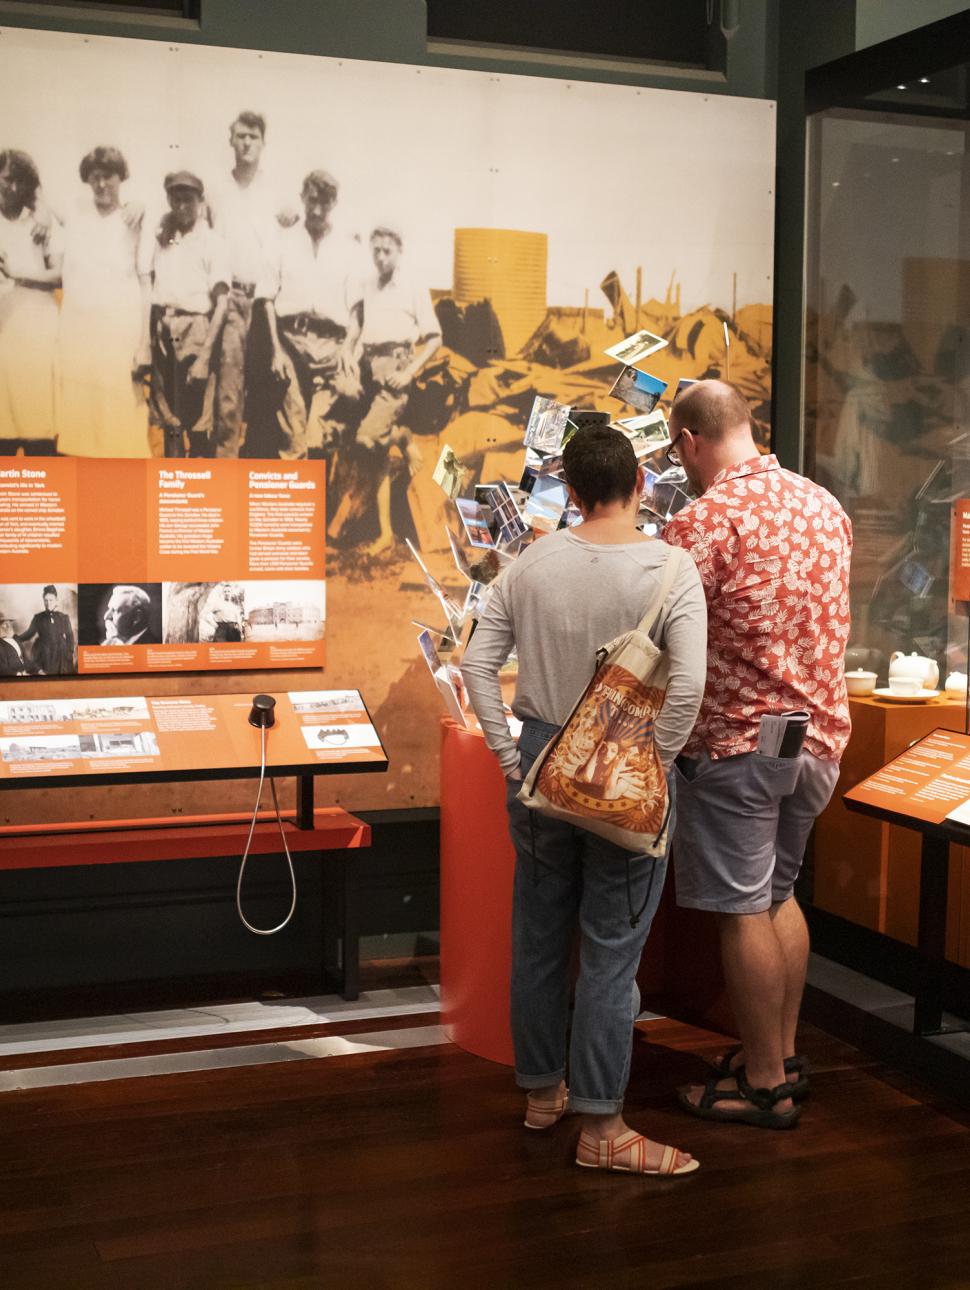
(773, 551)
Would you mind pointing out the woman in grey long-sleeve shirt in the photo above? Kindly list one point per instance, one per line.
(567, 595)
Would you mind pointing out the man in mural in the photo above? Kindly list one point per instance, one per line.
(399, 333)
(773, 553)
(51, 628)
(221, 617)
(30, 272)
(312, 303)
(565, 877)
(247, 217)
(190, 296)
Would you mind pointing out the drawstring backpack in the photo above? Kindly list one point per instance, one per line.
(602, 771)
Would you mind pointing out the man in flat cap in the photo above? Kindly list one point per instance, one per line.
(189, 300)
(51, 628)
(400, 332)
(311, 299)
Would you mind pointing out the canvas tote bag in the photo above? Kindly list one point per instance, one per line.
(602, 771)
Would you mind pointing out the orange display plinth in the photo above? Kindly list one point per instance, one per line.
(477, 868)
(867, 870)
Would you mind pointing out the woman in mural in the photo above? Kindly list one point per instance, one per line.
(104, 320)
(30, 272)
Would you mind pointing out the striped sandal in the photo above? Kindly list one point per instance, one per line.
(634, 1145)
(543, 1115)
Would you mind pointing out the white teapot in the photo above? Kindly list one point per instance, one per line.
(956, 683)
(916, 667)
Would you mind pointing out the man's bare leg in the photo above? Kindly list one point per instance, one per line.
(791, 931)
(386, 538)
(755, 974)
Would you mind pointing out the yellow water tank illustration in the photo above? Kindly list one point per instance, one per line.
(507, 267)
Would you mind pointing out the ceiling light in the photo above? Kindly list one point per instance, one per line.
(835, 183)
(924, 80)
(900, 87)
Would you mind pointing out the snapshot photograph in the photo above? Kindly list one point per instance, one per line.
(40, 748)
(340, 736)
(326, 701)
(546, 503)
(547, 425)
(284, 611)
(105, 709)
(449, 473)
(139, 743)
(639, 389)
(648, 434)
(635, 348)
(34, 711)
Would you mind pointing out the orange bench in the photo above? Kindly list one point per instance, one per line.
(34, 846)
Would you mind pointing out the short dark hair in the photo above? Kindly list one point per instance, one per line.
(49, 590)
(320, 182)
(600, 466)
(254, 120)
(110, 159)
(709, 409)
(23, 172)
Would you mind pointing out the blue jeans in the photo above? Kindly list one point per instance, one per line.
(565, 876)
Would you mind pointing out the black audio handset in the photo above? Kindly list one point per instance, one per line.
(262, 712)
(262, 715)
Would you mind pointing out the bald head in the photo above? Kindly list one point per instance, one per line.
(712, 409)
(710, 427)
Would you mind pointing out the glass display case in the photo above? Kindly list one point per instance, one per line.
(887, 351)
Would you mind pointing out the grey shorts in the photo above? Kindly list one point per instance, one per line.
(742, 828)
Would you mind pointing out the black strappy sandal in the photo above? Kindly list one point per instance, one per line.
(793, 1066)
(761, 1112)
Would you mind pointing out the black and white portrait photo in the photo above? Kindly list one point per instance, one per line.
(120, 613)
(38, 629)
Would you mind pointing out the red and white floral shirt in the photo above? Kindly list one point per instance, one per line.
(773, 551)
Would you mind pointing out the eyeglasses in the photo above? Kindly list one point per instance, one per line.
(672, 455)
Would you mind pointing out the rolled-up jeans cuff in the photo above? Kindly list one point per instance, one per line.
(540, 1081)
(595, 1106)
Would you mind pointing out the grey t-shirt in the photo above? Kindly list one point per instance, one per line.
(556, 605)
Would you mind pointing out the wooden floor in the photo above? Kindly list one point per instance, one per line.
(409, 1169)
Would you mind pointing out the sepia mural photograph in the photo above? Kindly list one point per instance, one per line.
(281, 257)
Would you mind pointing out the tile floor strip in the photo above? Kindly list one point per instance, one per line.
(140, 1028)
(213, 1059)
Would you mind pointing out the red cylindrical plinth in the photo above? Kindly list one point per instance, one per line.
(477, 867)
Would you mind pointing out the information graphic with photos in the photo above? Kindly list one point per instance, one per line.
(162, 565)
(118, 736)
(929, 781)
